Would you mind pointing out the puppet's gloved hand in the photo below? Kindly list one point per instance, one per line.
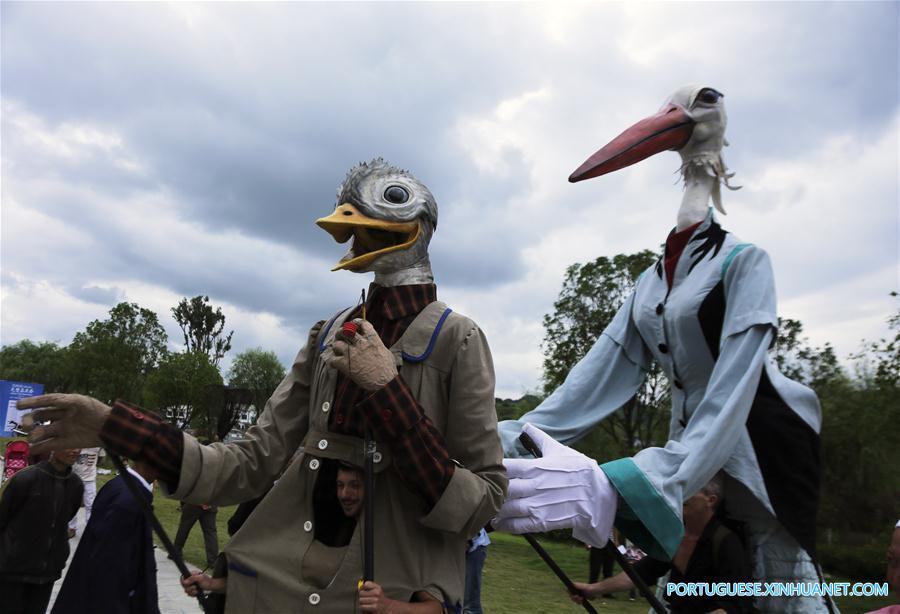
(75, 421)
(564, 489)
(362, 357)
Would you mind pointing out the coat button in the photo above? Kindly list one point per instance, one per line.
(307, 526)
(314, 464)
(377, 457)
(386, 415)
(326, 406)
(314, 599)
(323, 443)
(659, 309)
(663, 348)
(137, 415)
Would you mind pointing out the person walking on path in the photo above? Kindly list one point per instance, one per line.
(86, 468)
(206, 514)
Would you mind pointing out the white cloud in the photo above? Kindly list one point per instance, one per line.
(36, 306)
(486, 138)
(848, 313)
(73, 142)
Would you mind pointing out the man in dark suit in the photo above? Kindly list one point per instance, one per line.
(114, 568)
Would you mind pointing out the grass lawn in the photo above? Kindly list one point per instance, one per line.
(516, 580)
(861, 605)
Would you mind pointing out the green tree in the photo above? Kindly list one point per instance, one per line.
(203, 327)
(513, 409)
(112, 358)
(885, 355)
(223, 407)
(799, 361)
(788, 345)
(861, 439)
(44, 363)
(177, 388)
(860, 453)
(259, 371)
(590, 297)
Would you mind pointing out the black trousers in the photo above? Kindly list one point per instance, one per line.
(25, 598)
(600, 558)
(189, 515)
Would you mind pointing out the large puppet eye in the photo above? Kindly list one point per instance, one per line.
(396, 195)
(709, 96)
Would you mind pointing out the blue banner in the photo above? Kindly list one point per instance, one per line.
(10, 393)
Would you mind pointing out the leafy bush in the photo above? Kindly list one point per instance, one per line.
(859, 563)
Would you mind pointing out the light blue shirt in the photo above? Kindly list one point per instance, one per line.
(481, 539)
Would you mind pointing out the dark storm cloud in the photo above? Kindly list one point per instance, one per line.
(253, 146)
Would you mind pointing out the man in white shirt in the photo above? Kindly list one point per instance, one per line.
(86, 468)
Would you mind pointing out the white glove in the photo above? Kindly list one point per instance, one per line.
(564, 489)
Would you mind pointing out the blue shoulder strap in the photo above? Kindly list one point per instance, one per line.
(431, 342)
(323, 334)
(407, 357)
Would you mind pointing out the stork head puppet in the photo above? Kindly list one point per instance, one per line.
(692, 122)
(390, 217)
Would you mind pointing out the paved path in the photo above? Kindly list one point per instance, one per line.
(172, 599)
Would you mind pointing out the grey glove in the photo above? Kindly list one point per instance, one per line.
(75, 421)
(362, 357)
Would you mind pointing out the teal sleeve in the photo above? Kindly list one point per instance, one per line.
(643, 515)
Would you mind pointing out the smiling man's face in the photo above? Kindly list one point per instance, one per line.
(350, 491)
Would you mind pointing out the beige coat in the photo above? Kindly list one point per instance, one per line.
(454, 383)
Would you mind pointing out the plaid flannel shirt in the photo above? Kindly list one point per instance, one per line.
(142, 435)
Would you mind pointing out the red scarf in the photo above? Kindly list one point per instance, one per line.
(675, 244)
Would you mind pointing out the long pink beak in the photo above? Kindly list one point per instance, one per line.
(671, 128)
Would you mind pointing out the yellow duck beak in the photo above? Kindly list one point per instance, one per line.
(372, 237)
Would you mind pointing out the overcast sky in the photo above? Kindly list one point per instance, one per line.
(154, 151)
